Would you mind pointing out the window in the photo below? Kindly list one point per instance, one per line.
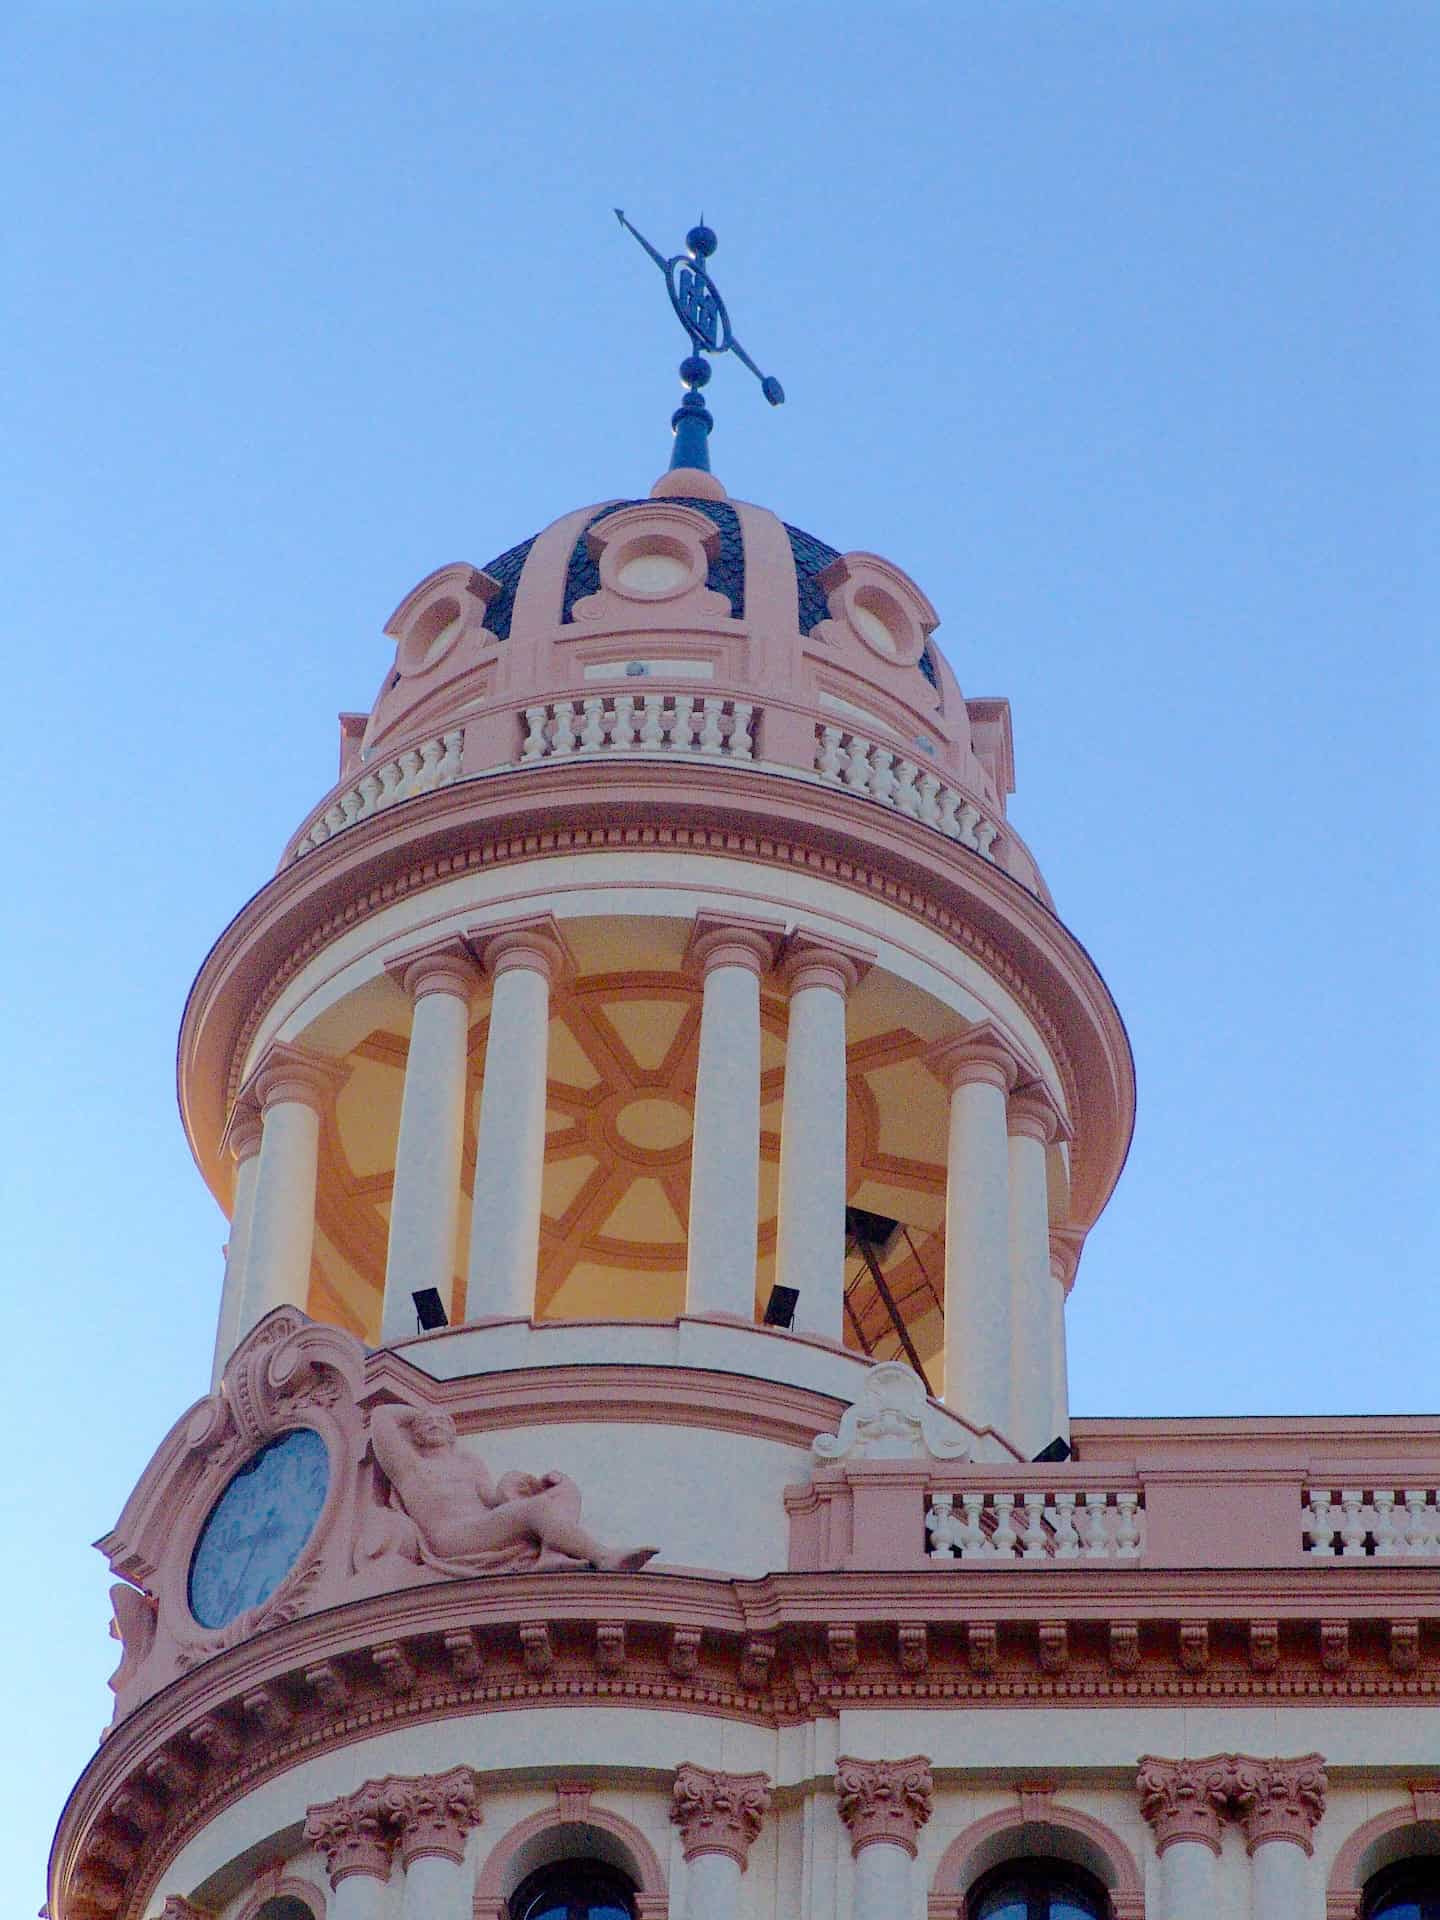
(574, 1890)
(1038, 1890)
(285, 1907)
(1410, 1891)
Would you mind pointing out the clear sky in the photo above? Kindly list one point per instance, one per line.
(1106, 321)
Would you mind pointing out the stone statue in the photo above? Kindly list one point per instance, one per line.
(444, 1510)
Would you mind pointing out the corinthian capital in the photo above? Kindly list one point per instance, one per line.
(1280, 1799)
(718, 1812)
(354, 1834)
(884, 1800)
(1185, 1799)
(432, 1813)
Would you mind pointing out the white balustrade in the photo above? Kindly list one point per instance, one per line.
(436, 763)
(1376, 1523)
(1038, 1525)
(847, 759)
(706, 723)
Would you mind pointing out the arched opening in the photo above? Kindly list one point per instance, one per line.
(1409, 1890)
(574, 1889)
(285, 1906)
(1038, 1889)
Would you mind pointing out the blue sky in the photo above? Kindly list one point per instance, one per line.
(1108, 322)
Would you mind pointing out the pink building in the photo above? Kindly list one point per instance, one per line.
(661, 994)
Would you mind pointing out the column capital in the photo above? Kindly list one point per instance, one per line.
(1065, 1248)
(445, 966)
(815, 960)
(1279, 1799)
(1185, 1799)
(288, 1073)
(981, 1055)
(353, 1834)
(432, 1813)
(718, 1812)
(1033, 1113)
(732, 940)
(533, 942)
(885, 1800)
(243, 1129)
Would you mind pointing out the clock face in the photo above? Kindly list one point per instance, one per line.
(258, 1527)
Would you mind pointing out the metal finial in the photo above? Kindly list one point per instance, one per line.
(701, 311)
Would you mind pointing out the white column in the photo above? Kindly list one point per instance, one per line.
(434, 1889)
(292, 1088)
(980, 1069)
(359, 1896)
(1033, 1123)
(522, 959)
(1188, 1882)
(713, 1886)
(425, 1205)
(884, 1803)
(810, 1243)
(1065, 1244)
(882, 1882)
(1280, 1881)
(244, 1147)
(730, 956)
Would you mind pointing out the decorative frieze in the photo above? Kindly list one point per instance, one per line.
(718, 1812)
(884, 1800)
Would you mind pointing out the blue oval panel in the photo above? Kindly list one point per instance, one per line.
(258, 1526)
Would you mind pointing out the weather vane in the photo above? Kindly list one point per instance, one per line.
(700, 310)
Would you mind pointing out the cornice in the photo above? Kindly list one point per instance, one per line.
(598, 806)
(772, 1652)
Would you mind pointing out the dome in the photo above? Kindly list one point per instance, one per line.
(681, 623)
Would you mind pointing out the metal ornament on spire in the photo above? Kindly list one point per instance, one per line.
(701, 311)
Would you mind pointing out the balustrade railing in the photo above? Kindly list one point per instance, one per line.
(1378, 1523)
(708, 724)
(1040, 1526)
(848, 759)
(435, 763)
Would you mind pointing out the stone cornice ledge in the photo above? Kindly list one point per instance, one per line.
(775, 1651)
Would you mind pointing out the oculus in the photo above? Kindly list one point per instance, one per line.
(256, 1529)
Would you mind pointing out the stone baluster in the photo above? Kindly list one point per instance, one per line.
(291, 1088)
(719, 1815)
(355, 1837)
(523, 958)
(1280, 1803)
(729, 955)
(979, 1069)
(432, 1814)
(425, 1204)
(243, 1142)
(1184, 1802)
(884, 1804)
(1034, 1122)
(810, 1233)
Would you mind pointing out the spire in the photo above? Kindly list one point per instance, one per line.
(701, 311)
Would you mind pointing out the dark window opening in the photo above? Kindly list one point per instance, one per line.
(1038, 1890)
(1409, 1891)
(574, 1890)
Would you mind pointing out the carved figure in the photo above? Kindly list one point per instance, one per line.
(448, 1513)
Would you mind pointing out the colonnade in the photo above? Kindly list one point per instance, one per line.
(1005, 1272)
